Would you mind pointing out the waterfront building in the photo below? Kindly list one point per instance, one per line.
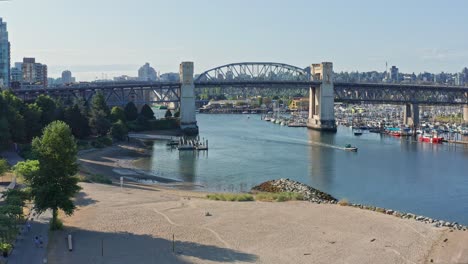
(147, 73)
(34, 74)
(301, 104)
(4, 55)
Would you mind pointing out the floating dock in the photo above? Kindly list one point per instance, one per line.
(186, 143)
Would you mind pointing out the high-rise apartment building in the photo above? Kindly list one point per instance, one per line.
(4, 55)
(147, 73)
(394, 74)
(67, 77)
(34, 73)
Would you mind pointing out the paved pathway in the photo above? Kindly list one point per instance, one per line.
(25, 251)
(12, 157)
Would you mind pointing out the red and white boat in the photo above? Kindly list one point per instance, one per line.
(431, 139)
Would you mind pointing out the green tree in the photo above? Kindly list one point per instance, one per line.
(32, 117)
(168, 114)
(117, 113)
(146, 112)
(77, 121)
(54, 184)
(48, 108)
(99, 122)
(4, 167)
(99, 104)
(5, 136)
(119, 130)
(27, 169)
(131, 112)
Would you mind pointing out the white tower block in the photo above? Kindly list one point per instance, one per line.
(188, 121)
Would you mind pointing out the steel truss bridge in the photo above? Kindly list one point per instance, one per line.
(253, 78)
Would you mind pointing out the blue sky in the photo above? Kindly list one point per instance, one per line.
(96, 38)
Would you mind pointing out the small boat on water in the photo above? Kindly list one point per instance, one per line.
(173, 143)
(348, 147)
(357, 132)
(245, 112)
(431, 139)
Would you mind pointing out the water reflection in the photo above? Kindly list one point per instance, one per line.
(187, 165)
(321, 159)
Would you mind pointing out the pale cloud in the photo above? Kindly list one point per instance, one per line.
(442, 54)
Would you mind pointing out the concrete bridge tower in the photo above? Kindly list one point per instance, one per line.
(188, 121)
(322, 99)
(465, 114)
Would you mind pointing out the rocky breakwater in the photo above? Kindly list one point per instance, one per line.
(286, 185)
(316, 196)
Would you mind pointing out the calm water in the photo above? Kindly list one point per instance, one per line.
(422, 178)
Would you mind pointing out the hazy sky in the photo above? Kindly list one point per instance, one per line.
(96, 37)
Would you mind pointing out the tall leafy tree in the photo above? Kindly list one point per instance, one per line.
(54, 184)
(32, 117)
(99, 122)
(146, 112)
(99, 104)
(131, 111)
(77, 121)
(99, 116)
(48, 108)
(5, 135)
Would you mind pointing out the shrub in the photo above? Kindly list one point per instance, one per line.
(98, 178)
(343, 202)
(168, 114)
(5, 247)
(119, 130)
(232, 197)
(279, 197)
(102, 142)
(380, 210)
(117, 113)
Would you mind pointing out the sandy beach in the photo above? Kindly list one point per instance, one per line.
(137, 224)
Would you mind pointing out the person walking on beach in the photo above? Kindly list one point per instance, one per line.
(36, 242)
(40, 241)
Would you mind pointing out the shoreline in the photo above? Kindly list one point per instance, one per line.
(124, 166)
(134, 220)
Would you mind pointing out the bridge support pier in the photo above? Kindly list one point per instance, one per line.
(321, 99)
(188, 122)
(411, 116)
(465, 114)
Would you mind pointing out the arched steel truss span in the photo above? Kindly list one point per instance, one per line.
(254, 72)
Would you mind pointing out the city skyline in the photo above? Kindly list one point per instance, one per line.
(355, 37)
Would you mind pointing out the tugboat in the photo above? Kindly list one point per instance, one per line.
(348, 147)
